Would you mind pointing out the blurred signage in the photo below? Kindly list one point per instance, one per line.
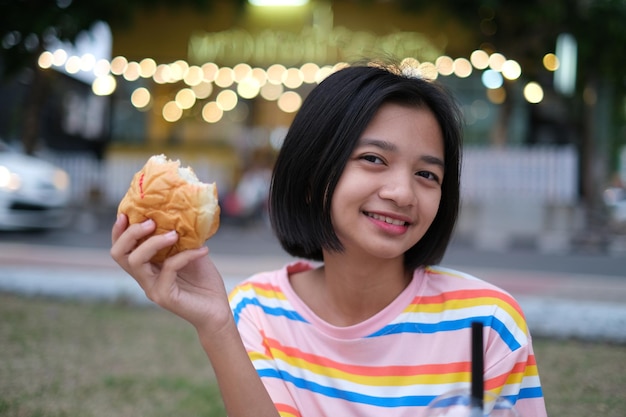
(310, 45)
(565, 75)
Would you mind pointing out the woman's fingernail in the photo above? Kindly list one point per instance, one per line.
(171, 234)
(147, 223)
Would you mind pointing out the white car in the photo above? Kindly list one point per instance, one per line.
(34, 193)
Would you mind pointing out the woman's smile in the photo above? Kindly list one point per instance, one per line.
(387, 219)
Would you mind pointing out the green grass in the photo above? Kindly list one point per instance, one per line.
(77, 359)
(68, 359)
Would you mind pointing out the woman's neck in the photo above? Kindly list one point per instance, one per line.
(344, 292)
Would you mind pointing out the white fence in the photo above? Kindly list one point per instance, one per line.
(507, 194)
(111, 177)
(520, 195)
(547, 174)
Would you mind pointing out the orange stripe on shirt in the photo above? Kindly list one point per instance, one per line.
(519, 371)
(267, 290)
(434, 369)
(287, 411)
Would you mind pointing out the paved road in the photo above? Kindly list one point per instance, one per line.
(578, 294)
(93, 231)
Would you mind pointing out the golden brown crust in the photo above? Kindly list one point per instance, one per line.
(158, 192)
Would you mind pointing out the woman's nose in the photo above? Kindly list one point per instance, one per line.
(400, 188)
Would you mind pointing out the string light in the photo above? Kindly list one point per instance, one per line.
(276, 83)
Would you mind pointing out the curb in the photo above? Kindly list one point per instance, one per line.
(555, 305)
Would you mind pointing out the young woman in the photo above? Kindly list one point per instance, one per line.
(366, 183)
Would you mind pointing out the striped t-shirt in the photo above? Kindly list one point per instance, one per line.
(394, 363)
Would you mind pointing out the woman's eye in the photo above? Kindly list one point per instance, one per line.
(428, 175)
(372, 158)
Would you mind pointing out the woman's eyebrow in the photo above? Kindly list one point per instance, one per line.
(382, 144)
(433, 160)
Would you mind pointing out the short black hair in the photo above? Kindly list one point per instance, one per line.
(321, 139)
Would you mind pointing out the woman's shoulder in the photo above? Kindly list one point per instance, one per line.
(274, 281)
(469, 296)
(456, 283)
(458, 278)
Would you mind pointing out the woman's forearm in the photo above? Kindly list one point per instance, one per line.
(242, 390)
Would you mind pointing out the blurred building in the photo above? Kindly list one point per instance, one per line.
(217, 88)
(232, 79)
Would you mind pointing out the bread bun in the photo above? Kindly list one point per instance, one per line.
(175, 199)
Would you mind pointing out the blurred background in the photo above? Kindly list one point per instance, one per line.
(90, 89)
(97, 88)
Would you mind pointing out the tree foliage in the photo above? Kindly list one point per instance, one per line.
(27, 26)
(525, 30)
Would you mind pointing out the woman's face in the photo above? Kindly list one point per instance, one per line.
(389, 192)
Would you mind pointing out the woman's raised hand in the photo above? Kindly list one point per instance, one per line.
(187, 284)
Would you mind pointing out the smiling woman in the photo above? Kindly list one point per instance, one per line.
(367, 183)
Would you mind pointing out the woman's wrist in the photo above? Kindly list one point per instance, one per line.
(215, 337)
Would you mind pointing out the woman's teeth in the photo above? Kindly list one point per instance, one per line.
(387, 219)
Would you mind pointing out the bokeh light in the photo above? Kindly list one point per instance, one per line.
(492, 79)
(445, 65)
(185, 98)
(271, 92)
(462, 68)
(496, 60)
(248, 88)
(45, 60)
(212, 113)
(203, 90)
(551, 62)
(511, 70)
(225, 77)
(132, 71)
(147, 67)
(533, 93)
(289, 102)
(118, 65)
(226, 100)
(479, 59)
(140, 98)
(104, 86)
(171, 112)
(194, 76)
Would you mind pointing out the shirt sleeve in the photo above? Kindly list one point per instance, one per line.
(511, 369)
(251, 322)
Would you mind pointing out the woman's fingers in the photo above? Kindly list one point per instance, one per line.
(163, 287)
(125, 239)
(143, 253)
(121, 223)
(179, 261)
(134, 257)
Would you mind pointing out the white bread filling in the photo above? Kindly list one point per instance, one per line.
(188, 175)
(185, 173)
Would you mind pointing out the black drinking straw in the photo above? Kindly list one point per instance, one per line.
(478, 383)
